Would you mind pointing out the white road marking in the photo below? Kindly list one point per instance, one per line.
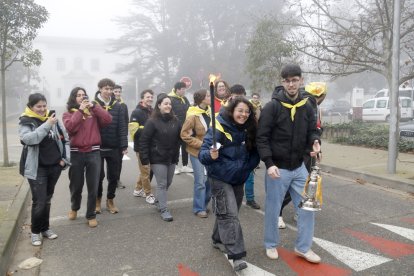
(251, 270)
(405, 232)
(355, 259)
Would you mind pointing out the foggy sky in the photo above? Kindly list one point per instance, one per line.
(83, 18)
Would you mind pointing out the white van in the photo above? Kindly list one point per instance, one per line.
(378, 109)
(402, 92)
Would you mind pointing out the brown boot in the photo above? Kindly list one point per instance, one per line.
(72, 215)
(98, 205)
(92, 223)
(111, 206)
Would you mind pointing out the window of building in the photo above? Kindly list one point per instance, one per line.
(78, 63)
(60, 64)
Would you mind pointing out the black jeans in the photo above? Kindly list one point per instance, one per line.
(120, 156)
(112, 169)
(226, 202)
(42, 191)
(184, 153)
(84, 164)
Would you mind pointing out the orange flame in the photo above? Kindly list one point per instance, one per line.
(213, 77)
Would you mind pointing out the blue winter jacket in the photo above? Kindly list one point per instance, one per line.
(234, 163)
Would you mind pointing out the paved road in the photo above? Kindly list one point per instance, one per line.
(362, 230)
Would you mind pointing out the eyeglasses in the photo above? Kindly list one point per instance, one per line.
(243, 111)
(292, 81)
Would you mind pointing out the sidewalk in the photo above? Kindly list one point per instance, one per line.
(360, 164)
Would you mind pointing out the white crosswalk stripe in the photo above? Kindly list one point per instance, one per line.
(251, 270)
(355, 259)
(405, 232)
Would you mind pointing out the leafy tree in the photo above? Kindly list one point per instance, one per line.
(184, 37)
(19, 23)
(266, 54)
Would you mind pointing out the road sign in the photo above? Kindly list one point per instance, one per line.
(187, 81)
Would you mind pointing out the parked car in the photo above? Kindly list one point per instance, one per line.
(378, 109)
(407, 131)
(339, 107)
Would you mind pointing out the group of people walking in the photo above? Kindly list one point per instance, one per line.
(281, 134)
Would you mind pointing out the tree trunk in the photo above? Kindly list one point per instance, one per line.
(4, 116)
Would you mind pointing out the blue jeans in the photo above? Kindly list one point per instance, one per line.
(202, 191)
(293, 182)
(249, 187)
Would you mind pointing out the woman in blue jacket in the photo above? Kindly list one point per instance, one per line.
(228, 166)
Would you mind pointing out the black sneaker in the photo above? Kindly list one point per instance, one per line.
(253, 204)
(120, 185)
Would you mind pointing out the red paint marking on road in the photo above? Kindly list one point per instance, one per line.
(305, 268)
(409, 220)
(185, 271)
(391, 248)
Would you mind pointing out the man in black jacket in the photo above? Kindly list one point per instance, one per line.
(287, 128)
(136, 126)
(180, 105)
(113, 138)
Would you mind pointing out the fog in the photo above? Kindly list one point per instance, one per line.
(83, 18)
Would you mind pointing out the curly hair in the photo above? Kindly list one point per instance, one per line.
(250, 125)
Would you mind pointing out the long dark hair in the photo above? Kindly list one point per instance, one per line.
(156, 114)
(250, 125)
(72, 103)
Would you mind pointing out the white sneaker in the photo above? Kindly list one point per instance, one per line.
(150, 199)
(139, 193)
(177, 170)
(186, 169)
(310, 256)
(272, 253)
(281, 224)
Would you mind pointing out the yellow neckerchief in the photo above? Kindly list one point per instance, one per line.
(173, 94)
(220, 128)
(255, 106)
(107, 107)
(86, 111)
(121, 101)
(30, 113)
(196, 111)
(293, 107)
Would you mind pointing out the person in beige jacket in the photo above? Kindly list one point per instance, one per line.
(195, 126)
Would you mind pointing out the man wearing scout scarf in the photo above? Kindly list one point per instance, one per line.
(113, 138)
(287, 128)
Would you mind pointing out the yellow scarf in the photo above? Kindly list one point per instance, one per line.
(196, 110)
(173, 94)
(255, 106)
(86, 111)
(293, 107)
(220, 128)
(30, 113)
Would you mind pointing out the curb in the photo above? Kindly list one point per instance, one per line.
(10, 226)
(383, 181)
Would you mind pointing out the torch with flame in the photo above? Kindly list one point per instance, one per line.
(213, 78)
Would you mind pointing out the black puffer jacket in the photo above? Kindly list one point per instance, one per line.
(281, 141)
(160, 141)
(115, 134)
(140, 115)
(180, 107)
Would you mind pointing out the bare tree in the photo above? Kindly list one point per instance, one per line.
(339, 38)
(19, 23)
